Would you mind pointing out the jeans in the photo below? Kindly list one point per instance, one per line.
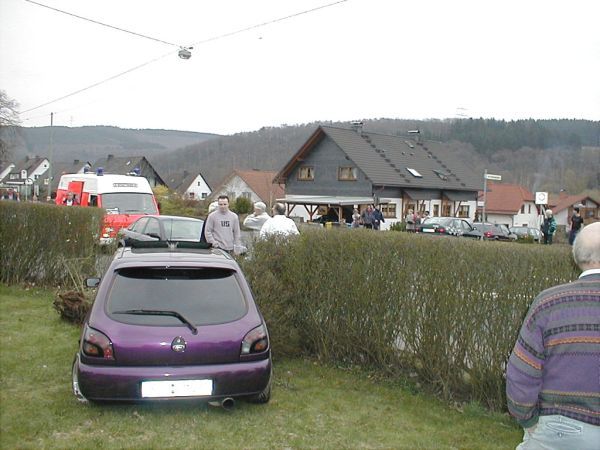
(561, 433)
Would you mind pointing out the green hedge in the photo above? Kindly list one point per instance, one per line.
(446, 309)
(47, 244)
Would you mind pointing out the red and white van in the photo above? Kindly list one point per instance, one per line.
(124, 197)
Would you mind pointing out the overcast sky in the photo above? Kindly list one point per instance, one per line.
(358, 59)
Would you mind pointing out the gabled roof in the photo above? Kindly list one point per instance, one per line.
(386, 160)
(29, 164)
(60, 168)
(180, 182)
(122, 165)
(260, 181)
(565, 201)
(504, 198)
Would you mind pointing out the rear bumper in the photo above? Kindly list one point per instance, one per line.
(124, 383)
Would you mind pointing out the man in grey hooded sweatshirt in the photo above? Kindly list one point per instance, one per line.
(223, 227)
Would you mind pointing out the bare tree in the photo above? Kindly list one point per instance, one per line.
(9, 119)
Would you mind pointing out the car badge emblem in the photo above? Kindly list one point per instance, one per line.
(178, 345)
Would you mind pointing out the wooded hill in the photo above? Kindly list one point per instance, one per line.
(546, 155)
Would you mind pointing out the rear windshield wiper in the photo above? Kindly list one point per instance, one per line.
(158, 312)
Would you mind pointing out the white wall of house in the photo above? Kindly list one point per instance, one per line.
(236, 187)
(198, 189)
(6, 171)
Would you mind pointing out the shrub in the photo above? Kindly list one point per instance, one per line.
(448, 309)
(48, 244)
(242, 205)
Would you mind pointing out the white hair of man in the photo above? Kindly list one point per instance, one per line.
(260, 206)
(586, 248)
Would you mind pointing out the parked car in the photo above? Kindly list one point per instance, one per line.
(495, 231)
(173, 323)
(524, 232)
(453, 226)
(161, 228)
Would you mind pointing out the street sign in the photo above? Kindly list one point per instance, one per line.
(489, 176)
(541, 198)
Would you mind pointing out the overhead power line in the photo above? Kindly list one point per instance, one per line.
(222, 36)
(102, 23)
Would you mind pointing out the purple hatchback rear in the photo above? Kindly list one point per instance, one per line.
(173, 323)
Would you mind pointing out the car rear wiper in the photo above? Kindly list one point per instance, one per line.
(158, 312)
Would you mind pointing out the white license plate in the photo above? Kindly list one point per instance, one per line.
(176, 388)
(428, 230)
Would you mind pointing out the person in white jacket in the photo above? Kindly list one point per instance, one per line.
(279, 224)
(256, 221)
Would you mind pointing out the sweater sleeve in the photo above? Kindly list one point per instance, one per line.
(208, 232)
(524, 372)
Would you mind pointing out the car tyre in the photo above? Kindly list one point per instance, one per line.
(75, 383)
(265, 395)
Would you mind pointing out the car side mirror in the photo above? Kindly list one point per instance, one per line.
(92, 282)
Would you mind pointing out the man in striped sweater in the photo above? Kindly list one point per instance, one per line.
(553, 374)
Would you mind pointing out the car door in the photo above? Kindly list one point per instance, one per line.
(468, 231)
(152, 231)
(134, 231)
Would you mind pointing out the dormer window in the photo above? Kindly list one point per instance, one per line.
(306, 173)
(441, 174)
(347, 173)
(414, 173)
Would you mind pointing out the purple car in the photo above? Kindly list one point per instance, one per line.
(173, 323)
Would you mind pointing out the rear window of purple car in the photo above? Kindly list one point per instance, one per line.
(203, 296)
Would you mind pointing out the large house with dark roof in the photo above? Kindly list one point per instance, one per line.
(124, 165)
(28, 177)
(563, 204)
(340, 168)
(191, 186)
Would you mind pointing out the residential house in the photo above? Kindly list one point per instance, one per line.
(4, 171)
(29, 177)
(125, 165)
(61, 168)
(191, 186)
(509, 204)
(256, 185)
(563, 204)
(338, 168)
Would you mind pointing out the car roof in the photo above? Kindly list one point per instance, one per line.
(180, 255)
(162, 217)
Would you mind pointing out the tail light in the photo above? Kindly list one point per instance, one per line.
(97, 344)
(488, 234)
(441, 230)
(255, 341)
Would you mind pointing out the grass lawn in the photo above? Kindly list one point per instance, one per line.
(313, 406)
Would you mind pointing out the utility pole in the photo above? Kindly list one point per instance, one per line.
(49, 197)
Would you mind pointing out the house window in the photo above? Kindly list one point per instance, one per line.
(198, 183)
(306, 173)
(529, 208)
(191, 195)
(463, 211)
(523, 208)
(388, 210)
(204, 195)
(247, 195)
(347, 173)
(436, 210)
(14, 176)
(446, 210)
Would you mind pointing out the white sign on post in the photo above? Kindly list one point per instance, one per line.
(541, 198)
(489, 176)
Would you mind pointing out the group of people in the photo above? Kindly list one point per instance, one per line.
(371, 218)
(413, 219)
(548, 227)
(222, 227)
(12, 195)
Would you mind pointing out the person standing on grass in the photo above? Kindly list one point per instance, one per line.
(256, 220)
(223, 227)
(576, 223)
(553, 373)
(548, 227)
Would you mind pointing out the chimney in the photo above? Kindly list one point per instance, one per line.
(357, 126)
(185, 173)
(75, 162)
(109, 157)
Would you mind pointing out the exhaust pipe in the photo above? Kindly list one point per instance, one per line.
(227, 403)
